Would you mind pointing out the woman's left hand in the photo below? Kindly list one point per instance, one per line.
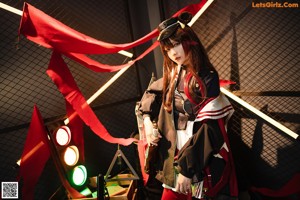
(152, 135)
(183, 185)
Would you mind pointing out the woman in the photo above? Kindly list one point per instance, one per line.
(193, 155)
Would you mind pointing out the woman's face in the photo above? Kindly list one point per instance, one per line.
(176, 53)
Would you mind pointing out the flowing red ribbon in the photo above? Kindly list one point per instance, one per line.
(50, 33)
(62, 77)
(35, 154)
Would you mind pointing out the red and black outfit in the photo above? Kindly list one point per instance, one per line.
(201, 112)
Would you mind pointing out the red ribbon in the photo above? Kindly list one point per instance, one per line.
(50, 33)
(35, 154)
(62, 77)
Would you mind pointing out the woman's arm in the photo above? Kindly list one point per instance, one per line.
(149, 108)
(151, 100)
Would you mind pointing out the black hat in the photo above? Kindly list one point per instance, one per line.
(167, 28)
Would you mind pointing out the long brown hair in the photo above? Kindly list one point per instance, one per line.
(197, 60)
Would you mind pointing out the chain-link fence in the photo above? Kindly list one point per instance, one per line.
(258, 48)
(24, 82)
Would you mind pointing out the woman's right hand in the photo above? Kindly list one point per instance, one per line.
(183, 185)
(152, 135)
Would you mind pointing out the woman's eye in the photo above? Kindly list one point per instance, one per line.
(167, 49)
(176, 44)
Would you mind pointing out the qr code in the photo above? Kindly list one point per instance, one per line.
(9, 190)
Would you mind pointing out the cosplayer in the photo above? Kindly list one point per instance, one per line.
(193, 159)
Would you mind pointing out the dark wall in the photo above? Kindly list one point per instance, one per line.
(24, 82)
(258, 48)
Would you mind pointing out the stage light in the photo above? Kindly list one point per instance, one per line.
(67, 155)
(63, 135)
(71, 155)
(79, 175)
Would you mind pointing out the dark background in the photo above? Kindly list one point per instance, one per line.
(258, 48)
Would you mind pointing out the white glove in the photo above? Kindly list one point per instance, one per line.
(152, 135)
